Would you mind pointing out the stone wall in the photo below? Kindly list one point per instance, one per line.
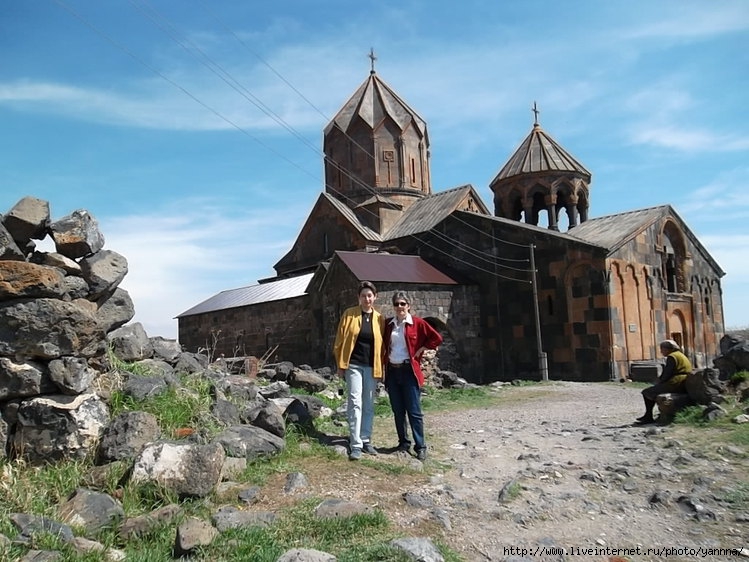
(577, 348)
(56, 312)
(644, 309)
(253, 330)
(452, 309)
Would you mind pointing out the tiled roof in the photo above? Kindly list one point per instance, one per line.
(374, 100)
(540, 153)
(346, 211)
(255, 294)
(393, 268)
(427, 212)
(612, 231)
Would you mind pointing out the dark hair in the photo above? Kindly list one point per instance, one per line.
(401, 296)
(366, 285)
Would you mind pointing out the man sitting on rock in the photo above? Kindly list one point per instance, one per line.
(672, 379)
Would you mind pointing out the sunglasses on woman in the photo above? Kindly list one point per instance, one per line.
(400, 303)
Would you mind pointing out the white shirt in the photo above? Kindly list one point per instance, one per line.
(398, 349)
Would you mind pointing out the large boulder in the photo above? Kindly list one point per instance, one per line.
(48, 328)
(307, 380)
(103, 271)
(249, 442)
(23, 380)
(72, 375)
(187, 469)
(166, 349)
(127, 436)
(56, 427)
(77, 235)
(115, 309)
(704, 386)
(29, 218)
(19, 279)
(130, 342)
(91, 510)
(9, 250)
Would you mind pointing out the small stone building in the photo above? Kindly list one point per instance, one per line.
(582, 298)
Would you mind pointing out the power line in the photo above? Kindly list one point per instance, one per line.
(178, 86)
(224, 75)
(321, 113)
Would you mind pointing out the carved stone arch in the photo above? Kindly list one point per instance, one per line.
(510, 206)
(648, 281)
(678, 329)
(708, 300)
(436, 321)
(696, 285)
(673, 257)
(535, 202)
(583, 201)
(566, 200)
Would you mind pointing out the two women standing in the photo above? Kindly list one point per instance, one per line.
(368, 349)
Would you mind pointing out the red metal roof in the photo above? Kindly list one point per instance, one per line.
(393, 268)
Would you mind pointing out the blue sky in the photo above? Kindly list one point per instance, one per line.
(192, 129)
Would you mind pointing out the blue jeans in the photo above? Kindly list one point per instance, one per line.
(361, 387)
(405, 399)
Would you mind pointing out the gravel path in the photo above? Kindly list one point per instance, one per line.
(577, 475)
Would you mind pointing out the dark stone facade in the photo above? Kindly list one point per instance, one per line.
(574, 329)
(304, 327)
(598, 311)
(607, 290)
(253, 330)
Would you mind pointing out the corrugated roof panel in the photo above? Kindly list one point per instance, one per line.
(612, 231)
(372, 99)
(255, 294)
(367, 232)
(425, 213)
(539, 153)
(393, 268)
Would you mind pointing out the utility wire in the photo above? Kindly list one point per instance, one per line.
(227, 78)
(319, 111)
(178, 86)
(247, 94)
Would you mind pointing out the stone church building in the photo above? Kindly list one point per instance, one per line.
(605, 291)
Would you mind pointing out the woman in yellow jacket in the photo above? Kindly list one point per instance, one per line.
(358, 355)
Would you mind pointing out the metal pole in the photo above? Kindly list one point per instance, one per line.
(543, 367)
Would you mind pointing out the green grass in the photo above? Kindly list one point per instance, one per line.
(738, 378)
(40, 489)
(738, 495)
(725, 430)
(187, 406)
(457, 398)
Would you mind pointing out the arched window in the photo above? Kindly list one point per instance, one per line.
(674, 259)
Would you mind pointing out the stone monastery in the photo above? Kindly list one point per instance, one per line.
(604, 294)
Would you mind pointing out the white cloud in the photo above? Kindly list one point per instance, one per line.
(732, 253)
(694, 20)
(686, 139)
(156, 104)
(723, 199)
(183, 255)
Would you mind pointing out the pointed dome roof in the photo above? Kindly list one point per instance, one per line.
(373, 101)
(540, 153)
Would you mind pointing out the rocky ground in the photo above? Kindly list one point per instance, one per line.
(556, 470)
(577, 475)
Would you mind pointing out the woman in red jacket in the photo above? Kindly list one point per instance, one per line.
(406, 339)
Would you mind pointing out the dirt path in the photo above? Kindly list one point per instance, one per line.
(577, 475)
